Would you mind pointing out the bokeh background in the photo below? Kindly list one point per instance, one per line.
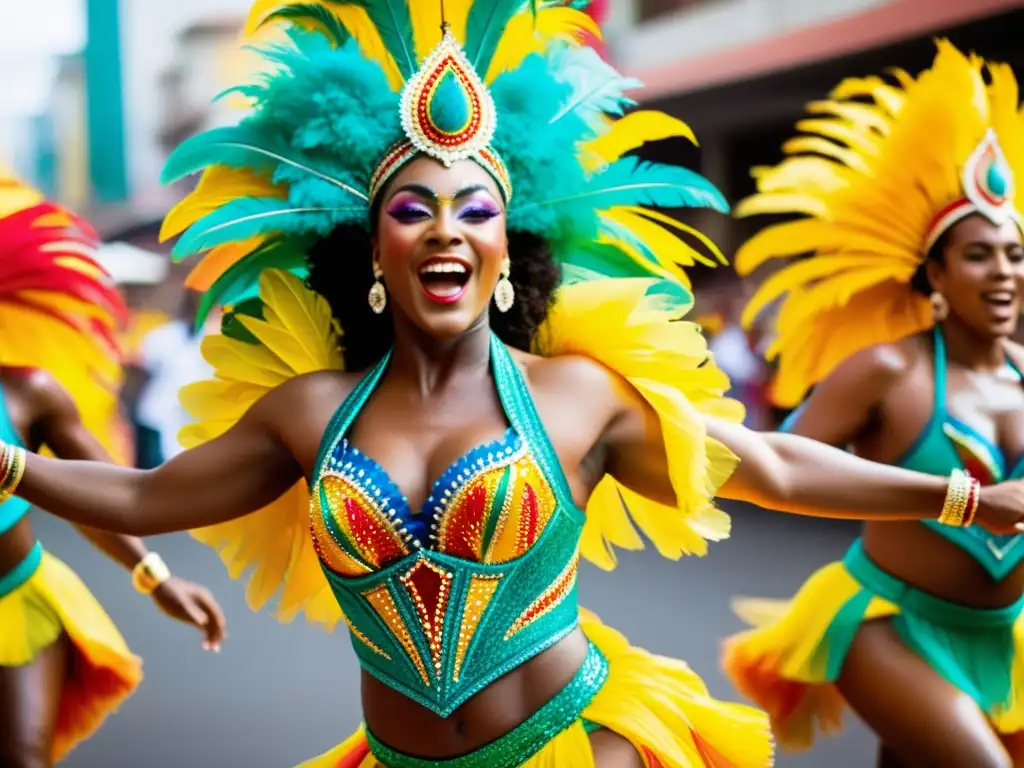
(94, 93)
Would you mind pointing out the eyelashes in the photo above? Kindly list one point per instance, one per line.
(409, 213)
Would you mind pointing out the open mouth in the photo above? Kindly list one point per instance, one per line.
(1001, 303)
(444, 279)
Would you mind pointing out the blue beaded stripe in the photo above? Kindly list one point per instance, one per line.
(23, 571)
(527, 739)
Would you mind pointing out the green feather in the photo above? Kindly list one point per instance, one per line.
(599, 261)
(231, 327)
(485, 26)
(238, 147)
(633, 182)
(241, 282)
(241, 218)
(317, 14)
(393, 22)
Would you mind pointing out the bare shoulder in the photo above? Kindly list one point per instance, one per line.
(883, 364)
(307, 390)
(571, 375)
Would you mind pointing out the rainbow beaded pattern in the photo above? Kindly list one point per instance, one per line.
(443, 601)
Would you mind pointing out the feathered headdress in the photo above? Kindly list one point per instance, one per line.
(354, 90)
(881, 171)
(59, 310)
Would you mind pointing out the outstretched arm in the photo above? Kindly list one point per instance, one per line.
(239, 472)
(795, 474)
(57, 424)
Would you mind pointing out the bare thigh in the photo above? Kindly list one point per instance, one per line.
(921, 719)
(29, 705)
(614, 751)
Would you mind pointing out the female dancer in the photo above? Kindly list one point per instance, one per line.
(63, 665)
(415, 195)
(919, 629)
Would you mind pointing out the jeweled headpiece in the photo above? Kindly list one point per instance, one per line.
(881, 172)
(356, 90)
(447, 113)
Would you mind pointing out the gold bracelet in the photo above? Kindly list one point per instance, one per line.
(12, 467)
(958, 499)
(149, 573)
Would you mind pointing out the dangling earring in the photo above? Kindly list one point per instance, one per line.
(940, 307)
(378, 298)
(504, 293)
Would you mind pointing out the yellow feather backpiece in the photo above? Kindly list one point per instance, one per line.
(297, 336)
(628, 327)
(875, 165)
(625, 325)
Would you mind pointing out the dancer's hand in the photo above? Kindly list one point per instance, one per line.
(1001, 508)
(193, 604)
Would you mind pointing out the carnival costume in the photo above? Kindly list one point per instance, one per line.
(882, 173)
(59, 313)
(440, 602)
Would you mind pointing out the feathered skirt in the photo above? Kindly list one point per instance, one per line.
(658, 703)
(789, 662)
(41, 599)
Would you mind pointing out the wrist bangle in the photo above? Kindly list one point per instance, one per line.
(958, 499)
(149, 573)
(12, 469)
(972, 501)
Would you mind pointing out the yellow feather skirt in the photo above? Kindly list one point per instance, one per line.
(658, 703)
(52, 602)
(788, 663)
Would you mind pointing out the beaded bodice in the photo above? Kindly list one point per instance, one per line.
(442, 601)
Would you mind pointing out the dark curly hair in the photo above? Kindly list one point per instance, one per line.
(341, 271)
(937, 253)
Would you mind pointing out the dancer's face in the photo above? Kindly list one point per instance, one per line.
(441, 244)
(981, 275)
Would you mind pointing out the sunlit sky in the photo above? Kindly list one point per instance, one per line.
(33, 35)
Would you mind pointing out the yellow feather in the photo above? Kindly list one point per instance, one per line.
(633, 131)
(781, 202)
(825, 147)
(355, 19)
(668, 221)
(272, 544)
(218, 185)
(863, 141)
(640, 338)
(526, 34)
(864, 116)
(426, 23)
(671, 272)
(670, 251)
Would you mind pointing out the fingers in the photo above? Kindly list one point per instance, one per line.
(214, 624)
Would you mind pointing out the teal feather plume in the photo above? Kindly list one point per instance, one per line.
(240, 282)
(598, 89)
(485, 26)
(240, 219)
(326, 21)
(239, 147)
(632, 182)
(394, 23)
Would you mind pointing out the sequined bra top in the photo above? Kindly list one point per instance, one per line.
(947, 443)
(442, 601)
